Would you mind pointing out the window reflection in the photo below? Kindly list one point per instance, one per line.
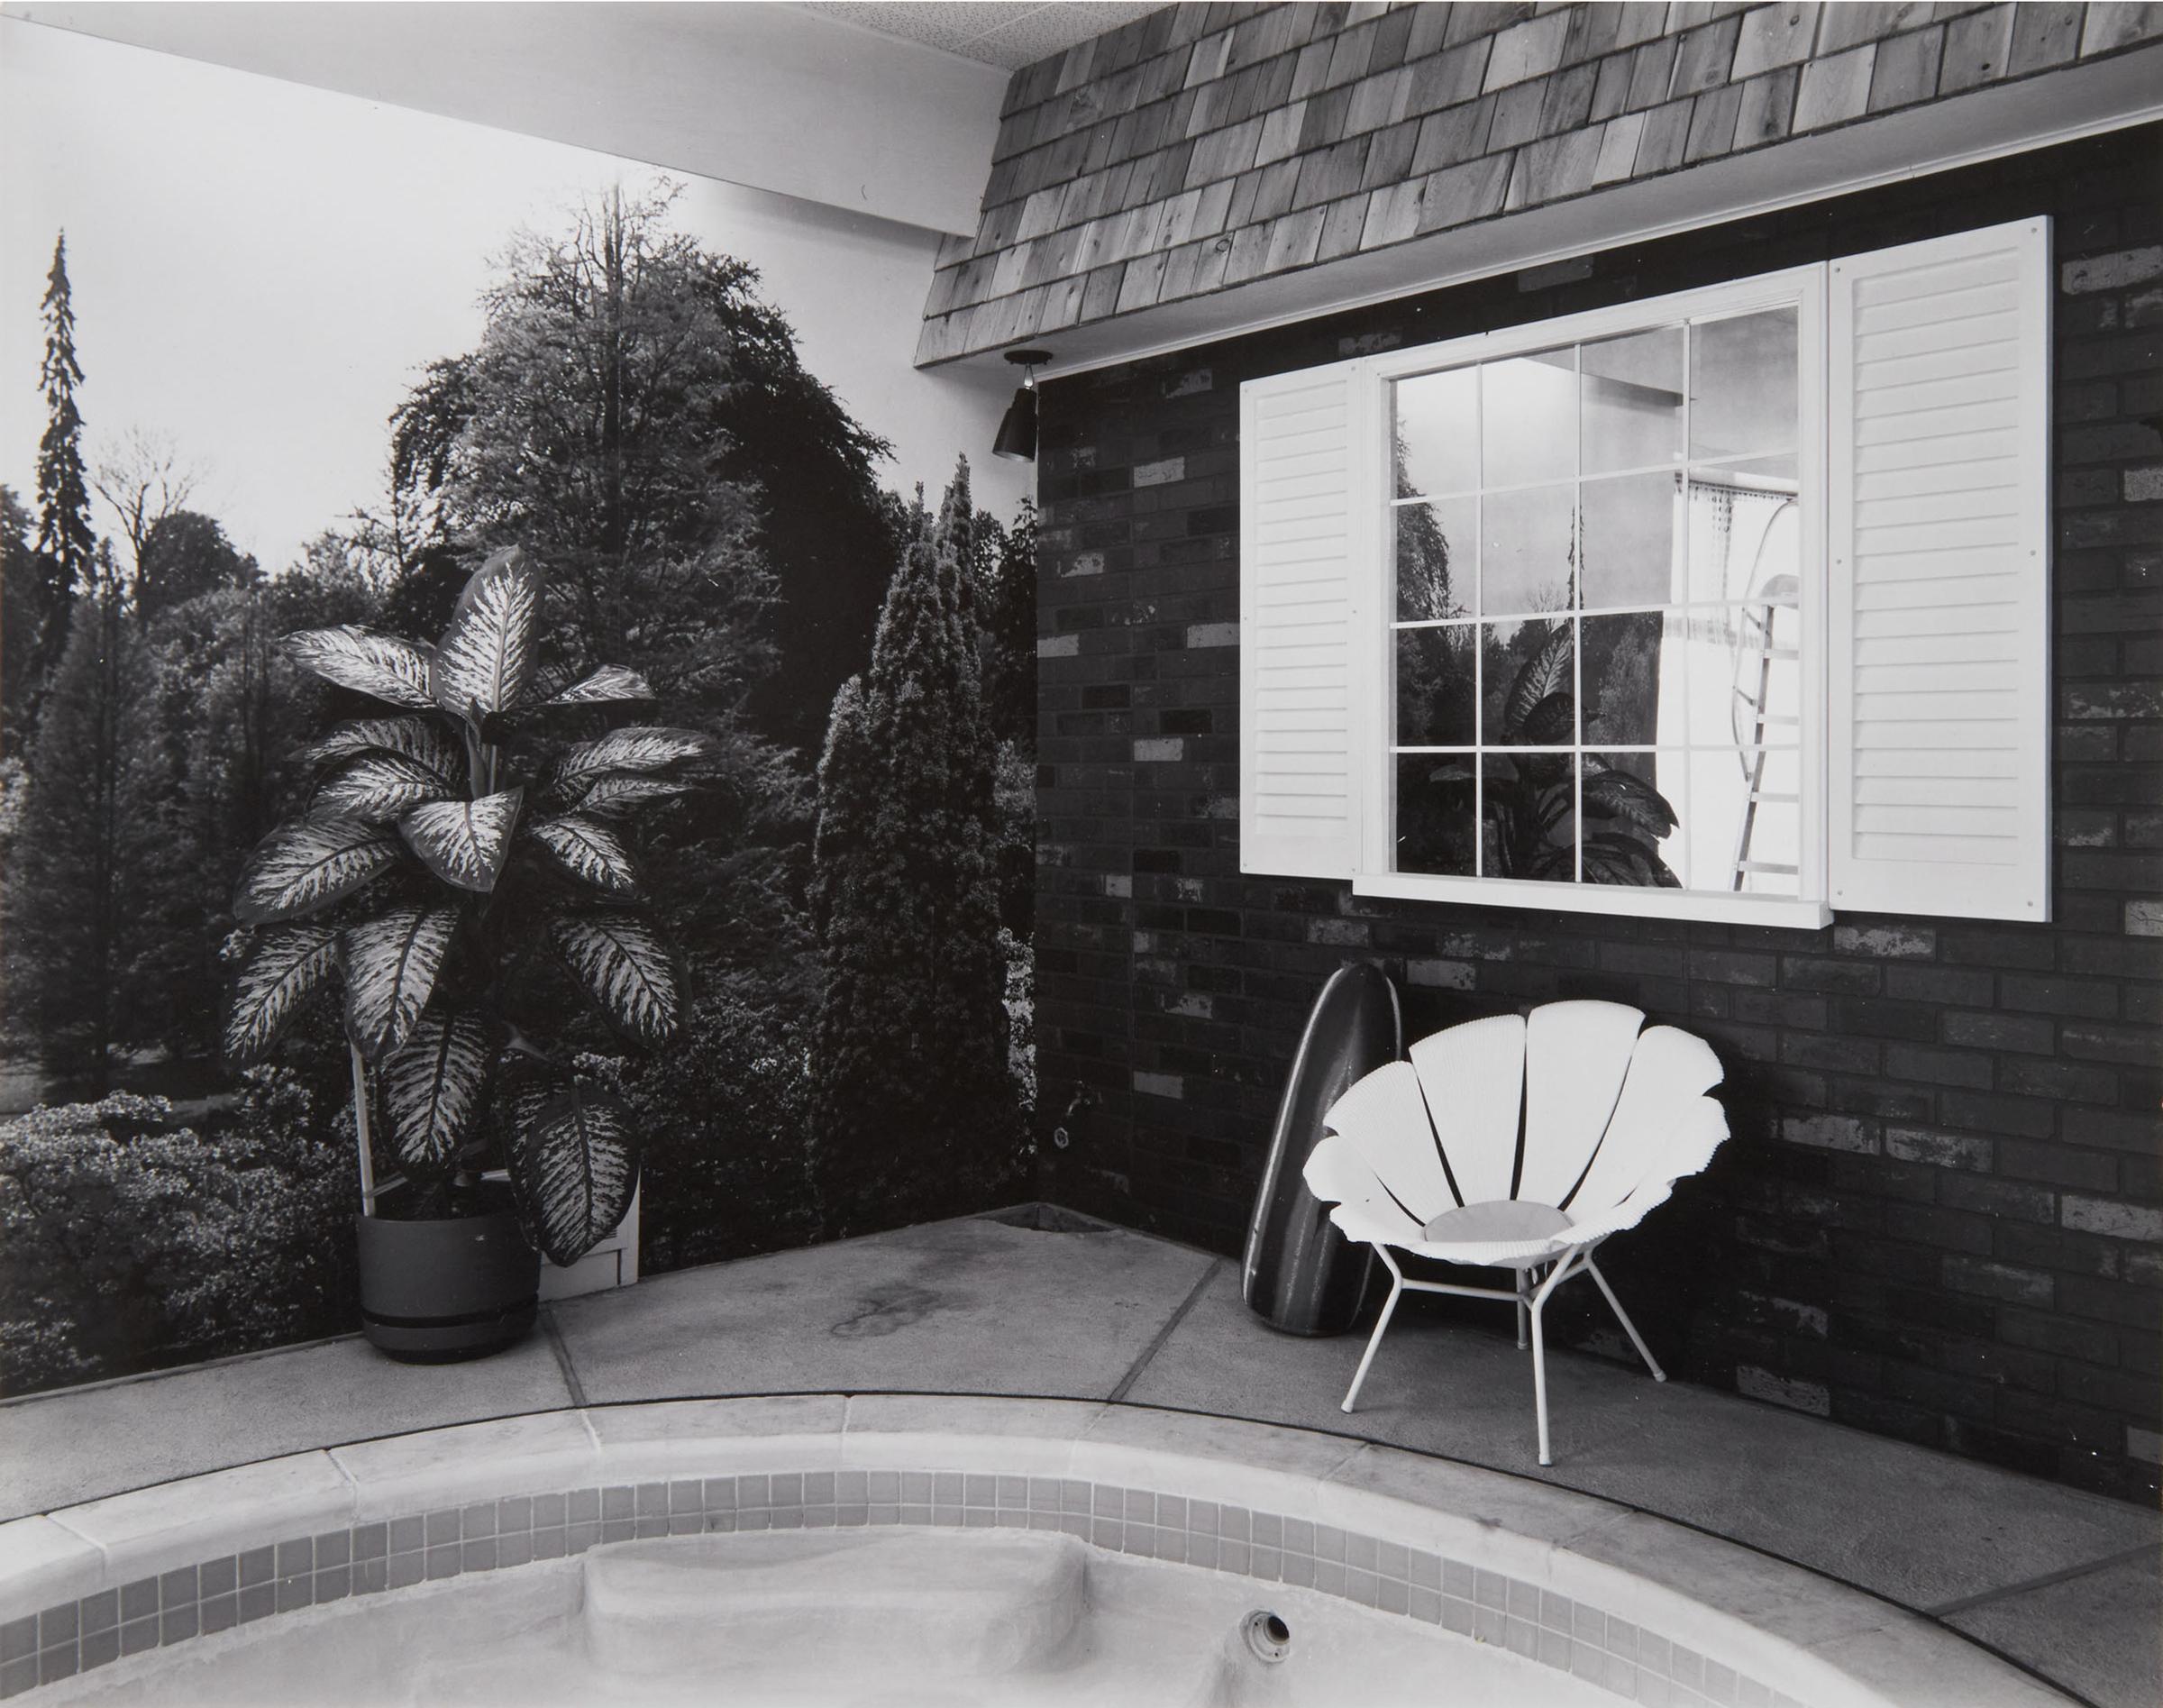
(1743, 392)
(1603, 545)
(1527, 551)
(1435, 687)
(1437, 441)
(1529, 419)
(1437, 553)
(1436, 815)
(1529, 670)
(1631, 395)
(1627, 548)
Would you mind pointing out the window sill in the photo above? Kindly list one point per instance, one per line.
(1618, 900)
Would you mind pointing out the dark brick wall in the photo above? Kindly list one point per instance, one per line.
(1941, 1216)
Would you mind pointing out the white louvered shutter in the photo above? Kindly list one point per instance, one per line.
(1938, 775)
(1300, 523)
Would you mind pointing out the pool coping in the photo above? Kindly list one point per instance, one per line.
(1534, 1562)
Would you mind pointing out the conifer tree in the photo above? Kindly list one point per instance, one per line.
(65, 544)
(913, 1111)
(66, 915)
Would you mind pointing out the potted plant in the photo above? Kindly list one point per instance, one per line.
(462, 870)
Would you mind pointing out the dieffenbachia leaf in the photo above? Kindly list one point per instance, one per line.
(464, 842)
(588, 849)
(638, 747)
(419, 739)
(1546, 672)
(488, 653)
(432, 1087)
(606, 685)
(622, 966)
(357, 658)
(378, 786)
(619, 793)
(573, 1166)
(302, 867)
(284, 968)
(1620, 795)
(391, 968)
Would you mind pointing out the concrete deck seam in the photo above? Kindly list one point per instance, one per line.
(1156, 1344)
(563, 1364)
(1983, 1598)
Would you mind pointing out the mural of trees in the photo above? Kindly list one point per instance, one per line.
(705, 512)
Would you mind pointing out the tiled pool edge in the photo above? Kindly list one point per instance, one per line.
(378, 1516)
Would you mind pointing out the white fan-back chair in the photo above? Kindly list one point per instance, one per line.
(1430, 1157)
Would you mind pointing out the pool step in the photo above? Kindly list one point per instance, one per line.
(970, 1603)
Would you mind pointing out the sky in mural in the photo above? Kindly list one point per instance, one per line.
(260, 268)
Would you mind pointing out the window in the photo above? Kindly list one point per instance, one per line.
(1724, 606)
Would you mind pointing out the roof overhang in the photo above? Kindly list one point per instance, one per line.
(1986, 124)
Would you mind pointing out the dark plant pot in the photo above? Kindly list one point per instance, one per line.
(436, 1292)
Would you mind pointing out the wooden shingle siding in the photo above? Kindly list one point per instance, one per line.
(1208, 145)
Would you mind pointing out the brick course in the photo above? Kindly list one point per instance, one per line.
(1941, 1216)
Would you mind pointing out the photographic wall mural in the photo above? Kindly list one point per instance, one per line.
(326, 423)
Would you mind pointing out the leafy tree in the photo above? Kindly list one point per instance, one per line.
(65, 546)
(637, 417)
(186, 553)
(913, 1109)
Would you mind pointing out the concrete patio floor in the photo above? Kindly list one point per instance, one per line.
(2063, 1582)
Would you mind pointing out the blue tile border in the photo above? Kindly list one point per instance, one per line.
(298, 1572)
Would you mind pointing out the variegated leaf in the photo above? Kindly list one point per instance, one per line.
(589, 849)
(620, 794)
(574, 1168)
(431, 1086)
(379, 786)
(603, 686)
(634, 747)
(625, 970)
(302, 867)
(419, 739)
(488, 653)
(464, 842)
(358, 658)
(285, 967)
(391, 968)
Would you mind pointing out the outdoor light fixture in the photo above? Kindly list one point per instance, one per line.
(1016, 439)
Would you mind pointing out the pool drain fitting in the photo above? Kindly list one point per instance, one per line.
(1268, 1636)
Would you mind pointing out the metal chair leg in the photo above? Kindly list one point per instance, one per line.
(1560, 1273)
(1381, 1323)
(1628, 1328)
(1524, 1314)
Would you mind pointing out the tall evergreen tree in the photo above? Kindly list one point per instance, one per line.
(913, 1110)
(65, 546)
(66, 906)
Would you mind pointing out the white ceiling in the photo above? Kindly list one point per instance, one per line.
(1009, 33)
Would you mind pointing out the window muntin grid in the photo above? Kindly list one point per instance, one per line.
(1563, 534)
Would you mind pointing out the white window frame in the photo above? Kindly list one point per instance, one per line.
(1373, 600)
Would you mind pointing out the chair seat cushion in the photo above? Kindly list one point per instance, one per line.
(1495, 1220)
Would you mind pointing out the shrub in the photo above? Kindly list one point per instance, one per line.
(129, 1241)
